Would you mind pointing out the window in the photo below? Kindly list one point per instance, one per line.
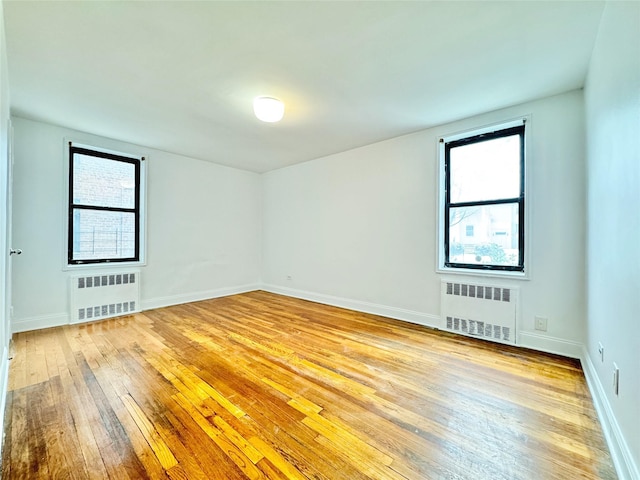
(483, 223)
(104, 207)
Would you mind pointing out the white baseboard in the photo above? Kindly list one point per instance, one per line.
(160, 302)
(56, 320)
(545, 343)
(39, 322)
(4, 385)
(412, 316)
(531, 340)
(620, 453)
(625, 465)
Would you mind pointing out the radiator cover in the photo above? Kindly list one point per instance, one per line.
(104, 295)
(480, 310)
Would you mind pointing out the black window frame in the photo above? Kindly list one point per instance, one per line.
(137, 162)
(520, 200)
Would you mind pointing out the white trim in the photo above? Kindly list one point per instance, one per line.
(488, 128)
(623, 461)
(168, 301)
(548, 344)
(484, 273)
(412, 316)
(4, 387)
(56, 320)
(82, 268)
(89, 146)
(39, 322)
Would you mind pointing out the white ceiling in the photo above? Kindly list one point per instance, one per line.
(181, 76)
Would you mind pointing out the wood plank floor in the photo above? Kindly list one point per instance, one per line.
(262, 386)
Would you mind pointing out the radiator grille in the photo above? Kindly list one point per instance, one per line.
(98, 296)
(485, 311)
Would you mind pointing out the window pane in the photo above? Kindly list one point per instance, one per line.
(488, 170)
(495, 239)
(103, 182)
(103, 235)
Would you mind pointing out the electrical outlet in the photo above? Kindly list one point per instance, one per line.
(289, 277)
(541, 323)
(601, 351)
(616, 378)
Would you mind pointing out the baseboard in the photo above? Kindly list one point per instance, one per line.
(39, 322)
(545, 343)
(4, 385)
(620, 453)
(534, 341)
(168, 301)
(360, 306)
(625, 465)
(58, 319)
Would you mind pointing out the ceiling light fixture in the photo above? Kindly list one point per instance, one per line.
(268, 109)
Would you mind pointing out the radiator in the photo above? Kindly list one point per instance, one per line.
(104, 295)
(484, 311)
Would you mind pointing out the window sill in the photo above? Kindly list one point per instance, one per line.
(103, 266)
(483, 273)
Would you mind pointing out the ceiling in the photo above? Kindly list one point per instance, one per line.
(181, 76)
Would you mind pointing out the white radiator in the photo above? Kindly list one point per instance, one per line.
(484, 311)
(104, 295)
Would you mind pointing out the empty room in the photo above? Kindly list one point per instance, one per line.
(337, 240)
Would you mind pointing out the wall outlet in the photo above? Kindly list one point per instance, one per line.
(541, 323)
(616, 378)
(601, 351)
(289, 277)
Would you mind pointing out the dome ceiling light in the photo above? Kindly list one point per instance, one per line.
(268, 109)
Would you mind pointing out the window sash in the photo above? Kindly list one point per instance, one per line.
(520, 200)
(75, 206)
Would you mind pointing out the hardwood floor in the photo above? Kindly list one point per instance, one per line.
(262, 386)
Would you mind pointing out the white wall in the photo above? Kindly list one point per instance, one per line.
(612, 100)
(358, 228)
(5, 329)
(203, 225)
(4, 189)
